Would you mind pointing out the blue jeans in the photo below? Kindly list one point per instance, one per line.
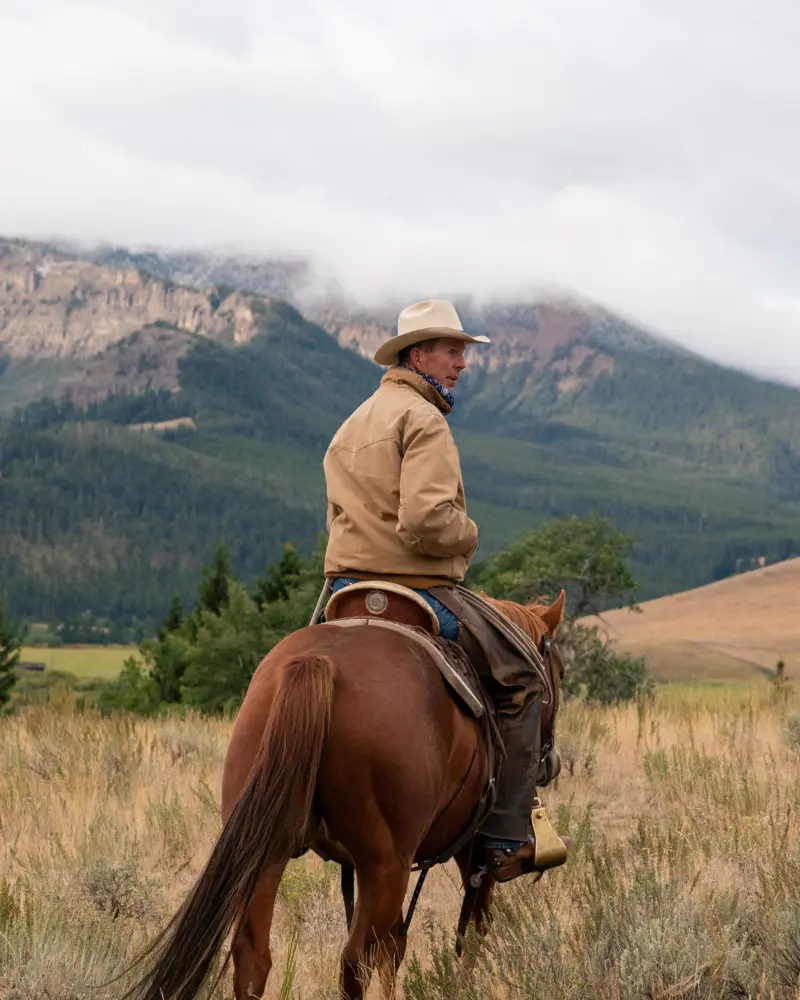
(448, 623)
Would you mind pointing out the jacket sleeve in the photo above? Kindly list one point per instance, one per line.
(428, 521)
(330, 516)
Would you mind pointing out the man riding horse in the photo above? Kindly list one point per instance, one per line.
(397, 513)
(349, 742)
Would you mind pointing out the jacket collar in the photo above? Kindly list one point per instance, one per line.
(403, 376)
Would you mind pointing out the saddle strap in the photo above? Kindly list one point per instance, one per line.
(453, 678)
(327, 586)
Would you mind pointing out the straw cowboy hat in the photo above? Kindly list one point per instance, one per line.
(424, 321)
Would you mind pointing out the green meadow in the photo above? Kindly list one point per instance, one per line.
(83, 662)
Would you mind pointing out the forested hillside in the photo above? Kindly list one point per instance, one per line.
(94, 514)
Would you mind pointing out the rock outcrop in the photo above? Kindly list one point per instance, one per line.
(52, 306)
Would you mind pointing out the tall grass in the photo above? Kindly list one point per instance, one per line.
(684, 881)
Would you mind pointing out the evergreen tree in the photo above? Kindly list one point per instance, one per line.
(214, 592)
(279, 581)
(174, 618)
(166, 658)
(9, 656)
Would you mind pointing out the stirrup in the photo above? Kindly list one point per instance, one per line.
(550, 849)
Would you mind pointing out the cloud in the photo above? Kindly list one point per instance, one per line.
(643, 154)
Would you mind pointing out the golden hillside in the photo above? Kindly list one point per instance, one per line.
(733, 629)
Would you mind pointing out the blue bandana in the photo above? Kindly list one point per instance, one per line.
(446, 394)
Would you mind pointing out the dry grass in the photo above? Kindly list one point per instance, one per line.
(684, 882)
(737, 628)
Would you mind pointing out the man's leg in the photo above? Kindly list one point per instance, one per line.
(509, 845)
(508, 825)
(448, 623)
(516, 692)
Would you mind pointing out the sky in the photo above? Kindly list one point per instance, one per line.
(644, 153)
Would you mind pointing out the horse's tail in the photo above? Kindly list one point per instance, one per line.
(266, 827)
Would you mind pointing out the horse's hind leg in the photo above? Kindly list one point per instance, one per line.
(252, 959)
(375, 935)
(391, 951)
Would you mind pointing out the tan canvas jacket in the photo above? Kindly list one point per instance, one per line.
(396, 507)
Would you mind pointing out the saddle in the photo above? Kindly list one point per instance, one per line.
(388, 601)
(393, 607)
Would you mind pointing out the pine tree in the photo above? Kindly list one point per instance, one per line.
(174, 618)
(166, 657)
(215, 588)
(9, 657)
(279, 581)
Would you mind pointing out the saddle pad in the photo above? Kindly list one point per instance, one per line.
(451, 676)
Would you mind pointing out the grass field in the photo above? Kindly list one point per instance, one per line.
(735, 629)
(89, 662)
(684, 881)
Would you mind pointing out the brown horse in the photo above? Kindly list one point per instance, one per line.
(350, 733)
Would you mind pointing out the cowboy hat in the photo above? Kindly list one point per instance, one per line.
(424, 321)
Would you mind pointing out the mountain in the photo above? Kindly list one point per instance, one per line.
(53, 306)
(141, 421)
(733, 629)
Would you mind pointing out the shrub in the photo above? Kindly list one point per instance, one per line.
(595, 668)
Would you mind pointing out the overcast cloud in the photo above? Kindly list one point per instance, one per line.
(645, 153)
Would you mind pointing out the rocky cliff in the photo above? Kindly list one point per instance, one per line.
(52, 306)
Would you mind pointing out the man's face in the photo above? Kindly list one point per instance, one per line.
(444, 363)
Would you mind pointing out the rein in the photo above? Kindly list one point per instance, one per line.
(547, 658)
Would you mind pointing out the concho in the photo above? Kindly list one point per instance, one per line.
(377, 602)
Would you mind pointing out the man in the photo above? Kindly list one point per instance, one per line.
(397, 512)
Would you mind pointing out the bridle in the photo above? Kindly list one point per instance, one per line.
(547, 658)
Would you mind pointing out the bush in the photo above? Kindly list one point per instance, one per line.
(135, 691)
(596, 669)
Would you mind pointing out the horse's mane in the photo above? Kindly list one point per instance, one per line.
(525, 616)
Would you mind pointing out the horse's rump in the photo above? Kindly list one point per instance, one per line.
(398, 743)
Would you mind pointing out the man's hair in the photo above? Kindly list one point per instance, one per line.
(426, 346)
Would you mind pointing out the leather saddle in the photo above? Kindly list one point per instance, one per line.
(391, 601)
(394, 607)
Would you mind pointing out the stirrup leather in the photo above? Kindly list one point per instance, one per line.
(551, 850)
